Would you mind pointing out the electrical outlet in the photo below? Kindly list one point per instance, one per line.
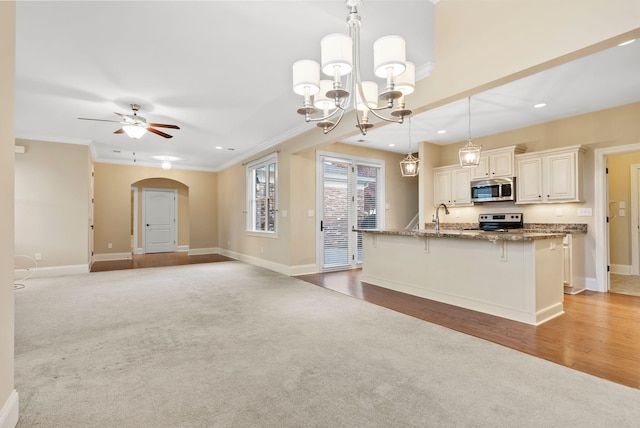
(38, 257)
(559, 212)
(109, 245)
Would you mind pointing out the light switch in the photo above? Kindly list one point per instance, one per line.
(622, 204)
(284, 213)
(585, 212)
(559, 212)
(621, 213)
(310, 213)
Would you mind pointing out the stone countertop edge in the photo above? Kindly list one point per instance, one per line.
(469, 234)
(528, 227)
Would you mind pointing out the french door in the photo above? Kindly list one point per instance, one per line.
(350, 196)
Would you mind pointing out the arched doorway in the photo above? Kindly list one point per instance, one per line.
(142, 210)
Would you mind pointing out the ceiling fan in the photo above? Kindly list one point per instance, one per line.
(136, 126)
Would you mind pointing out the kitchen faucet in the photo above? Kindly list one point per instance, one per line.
(436, 218)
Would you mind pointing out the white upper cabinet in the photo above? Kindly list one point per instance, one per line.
(452, 186)
(549, 176)
(496, 163)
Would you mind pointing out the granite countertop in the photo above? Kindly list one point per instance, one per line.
(530, 232)
(520, 235)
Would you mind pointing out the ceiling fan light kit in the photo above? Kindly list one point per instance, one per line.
(340, 56)
(136, 126)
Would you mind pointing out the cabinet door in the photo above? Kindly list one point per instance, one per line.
(501, 165)
(482, 170)
(441, 188)
(529, 180)
(561, 177)
(461, 186)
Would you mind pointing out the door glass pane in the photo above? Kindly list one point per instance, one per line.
(336, 201)
(367, 201)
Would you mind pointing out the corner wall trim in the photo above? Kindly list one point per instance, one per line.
(10, 411)
(276, 267)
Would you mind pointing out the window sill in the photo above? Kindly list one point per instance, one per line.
(273, 235)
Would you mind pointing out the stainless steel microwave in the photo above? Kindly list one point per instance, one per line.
(494, 190)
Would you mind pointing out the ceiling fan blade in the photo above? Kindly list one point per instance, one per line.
(162, 125)
(119, 131)
(99, 120)
(160, 133)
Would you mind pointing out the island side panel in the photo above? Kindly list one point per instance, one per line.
(497, 278)
(549, 285)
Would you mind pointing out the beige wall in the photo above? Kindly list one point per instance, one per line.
(7, 79)
(183, 206)
(52, 202)
(112, 211)
(294, 246)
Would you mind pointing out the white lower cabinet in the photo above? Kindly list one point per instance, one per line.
(452, 186)
(549, 176)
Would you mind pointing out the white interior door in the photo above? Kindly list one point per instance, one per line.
(160, 219)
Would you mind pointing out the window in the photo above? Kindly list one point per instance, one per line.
(262, 194)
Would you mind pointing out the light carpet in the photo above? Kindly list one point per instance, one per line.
(233, 345)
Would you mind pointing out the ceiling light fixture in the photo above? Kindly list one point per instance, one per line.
(469, 154)
(410, 165)
(540, 105)
(325, 101)
(135, 131)
(166, 165)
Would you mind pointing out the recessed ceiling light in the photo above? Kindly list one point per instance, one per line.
(117, 151)
(392, 145)
(442, 131)
(540, 105)
(231, 149)
(362, 141)
(628, 42)
(218, 147)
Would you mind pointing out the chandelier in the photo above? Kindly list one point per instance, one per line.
(470, 153)
(410, 165)
(325, 101)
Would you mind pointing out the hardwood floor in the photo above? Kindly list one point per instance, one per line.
(156, 260)
(599, 333)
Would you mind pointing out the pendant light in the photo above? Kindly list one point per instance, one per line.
(469, 154)
(410, 165)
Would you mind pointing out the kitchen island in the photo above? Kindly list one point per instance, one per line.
(513, 275)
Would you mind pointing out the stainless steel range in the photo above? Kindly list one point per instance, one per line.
(500, 222)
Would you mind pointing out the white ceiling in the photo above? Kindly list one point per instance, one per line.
(221, 70)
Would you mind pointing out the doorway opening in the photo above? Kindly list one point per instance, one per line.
(159, 216)
(614, 215)
(350, 196)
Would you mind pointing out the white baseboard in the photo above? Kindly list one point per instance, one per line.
(10, 411)
(592, 285)
(48, 271)
(182, 248)
(267, 264)
(304, 269)
(202, 251)
(138, 251)
(111, 256)
(621, 269)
